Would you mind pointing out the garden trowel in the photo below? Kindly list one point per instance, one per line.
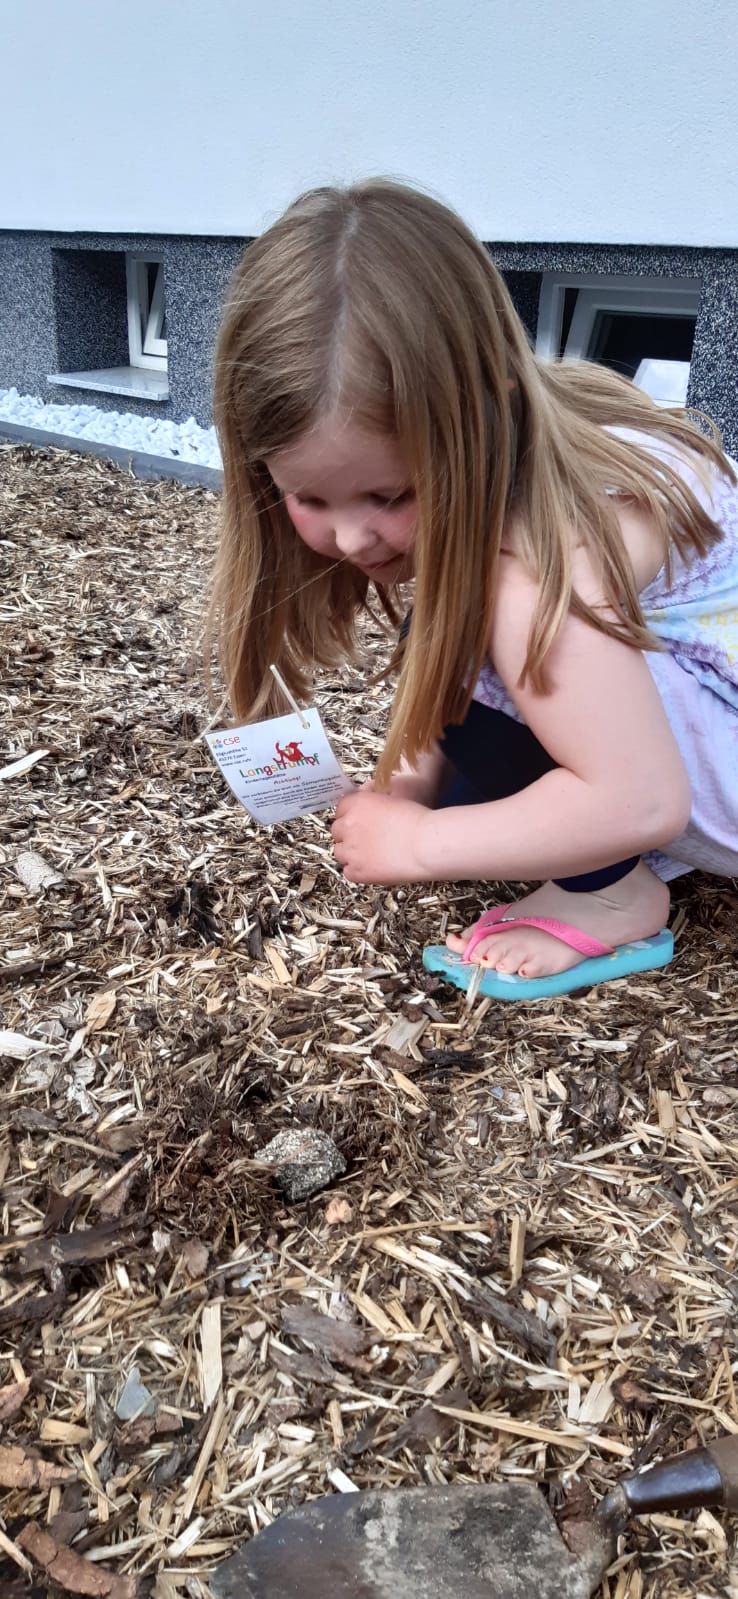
(499, 1541)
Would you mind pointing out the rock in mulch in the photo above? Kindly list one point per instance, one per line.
(304, 1161)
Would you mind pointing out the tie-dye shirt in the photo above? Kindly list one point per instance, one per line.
(695, 615)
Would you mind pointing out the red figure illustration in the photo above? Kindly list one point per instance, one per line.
(291, 752)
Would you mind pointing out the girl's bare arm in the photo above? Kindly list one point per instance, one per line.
(620, 785)
(422, 782)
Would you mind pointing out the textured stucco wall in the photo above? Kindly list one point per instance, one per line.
(50, 310)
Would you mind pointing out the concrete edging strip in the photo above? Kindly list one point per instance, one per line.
(137, 462)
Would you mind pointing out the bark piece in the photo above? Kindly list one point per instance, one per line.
(528, 1329)
(88, 1243)
(70, 1570)
(19, 1469)
(340, 1340)
(13, 1398)
(427, 1426)
(37, 1307)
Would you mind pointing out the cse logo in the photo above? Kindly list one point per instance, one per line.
(226, 743)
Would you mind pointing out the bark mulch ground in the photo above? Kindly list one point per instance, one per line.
(528, 1268)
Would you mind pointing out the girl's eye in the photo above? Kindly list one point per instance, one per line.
(310, 502)
(389, 502)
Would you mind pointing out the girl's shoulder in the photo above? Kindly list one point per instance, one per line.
(703, 476)
(640, 534)
(715, 490)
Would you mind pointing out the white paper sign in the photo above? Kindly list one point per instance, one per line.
(280, 768)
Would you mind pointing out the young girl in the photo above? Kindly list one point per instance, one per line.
(567, 695)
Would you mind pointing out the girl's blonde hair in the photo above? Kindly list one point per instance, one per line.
(377, 302)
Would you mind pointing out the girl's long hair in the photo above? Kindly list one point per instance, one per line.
(376, 303)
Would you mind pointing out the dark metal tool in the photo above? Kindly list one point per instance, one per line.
(498, 1541)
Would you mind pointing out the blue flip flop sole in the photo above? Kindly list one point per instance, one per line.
(641, 956)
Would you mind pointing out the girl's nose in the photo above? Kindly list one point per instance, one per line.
(352, 539)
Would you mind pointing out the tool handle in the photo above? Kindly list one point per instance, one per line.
(724, 1453)
(701, 1477)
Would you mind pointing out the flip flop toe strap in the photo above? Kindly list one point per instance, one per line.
(495, 921)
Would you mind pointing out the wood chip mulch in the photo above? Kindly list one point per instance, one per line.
(529, 1267)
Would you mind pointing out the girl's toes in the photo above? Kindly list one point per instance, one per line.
(458, 942)
(505, 961)
(531, 968)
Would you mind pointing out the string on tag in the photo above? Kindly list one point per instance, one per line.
(289, 696)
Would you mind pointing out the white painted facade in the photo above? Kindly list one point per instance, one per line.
(575, 121)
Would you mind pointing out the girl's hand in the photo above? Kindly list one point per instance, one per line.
(376, 838)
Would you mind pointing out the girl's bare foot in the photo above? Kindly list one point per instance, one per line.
(635, 907)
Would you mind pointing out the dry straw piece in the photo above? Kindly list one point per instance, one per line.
(528, 1268)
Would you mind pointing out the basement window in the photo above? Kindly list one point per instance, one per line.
(111, 323)
(641, 327)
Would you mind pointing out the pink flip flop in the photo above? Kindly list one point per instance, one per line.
(600, 964)
(493, 921)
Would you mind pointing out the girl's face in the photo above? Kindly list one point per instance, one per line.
(350, 498)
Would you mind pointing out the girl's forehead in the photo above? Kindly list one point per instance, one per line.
(341, 453)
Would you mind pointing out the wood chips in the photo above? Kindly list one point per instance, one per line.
(529, 1268)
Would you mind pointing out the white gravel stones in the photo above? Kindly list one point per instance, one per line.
(181, 441)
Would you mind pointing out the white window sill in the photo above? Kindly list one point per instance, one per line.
(136, 382)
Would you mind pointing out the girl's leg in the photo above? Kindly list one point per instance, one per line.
(494, 756)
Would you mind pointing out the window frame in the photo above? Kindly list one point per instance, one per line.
(151, 349)
(599, 291)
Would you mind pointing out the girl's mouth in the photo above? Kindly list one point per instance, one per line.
(382, 566)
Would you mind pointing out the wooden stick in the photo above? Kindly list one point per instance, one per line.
(527, 1429)
(289, 696)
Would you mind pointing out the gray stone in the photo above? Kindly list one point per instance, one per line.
(304, 1161)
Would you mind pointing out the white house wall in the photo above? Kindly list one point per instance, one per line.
(580, 120)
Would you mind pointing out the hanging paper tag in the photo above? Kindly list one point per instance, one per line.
(281, 768)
